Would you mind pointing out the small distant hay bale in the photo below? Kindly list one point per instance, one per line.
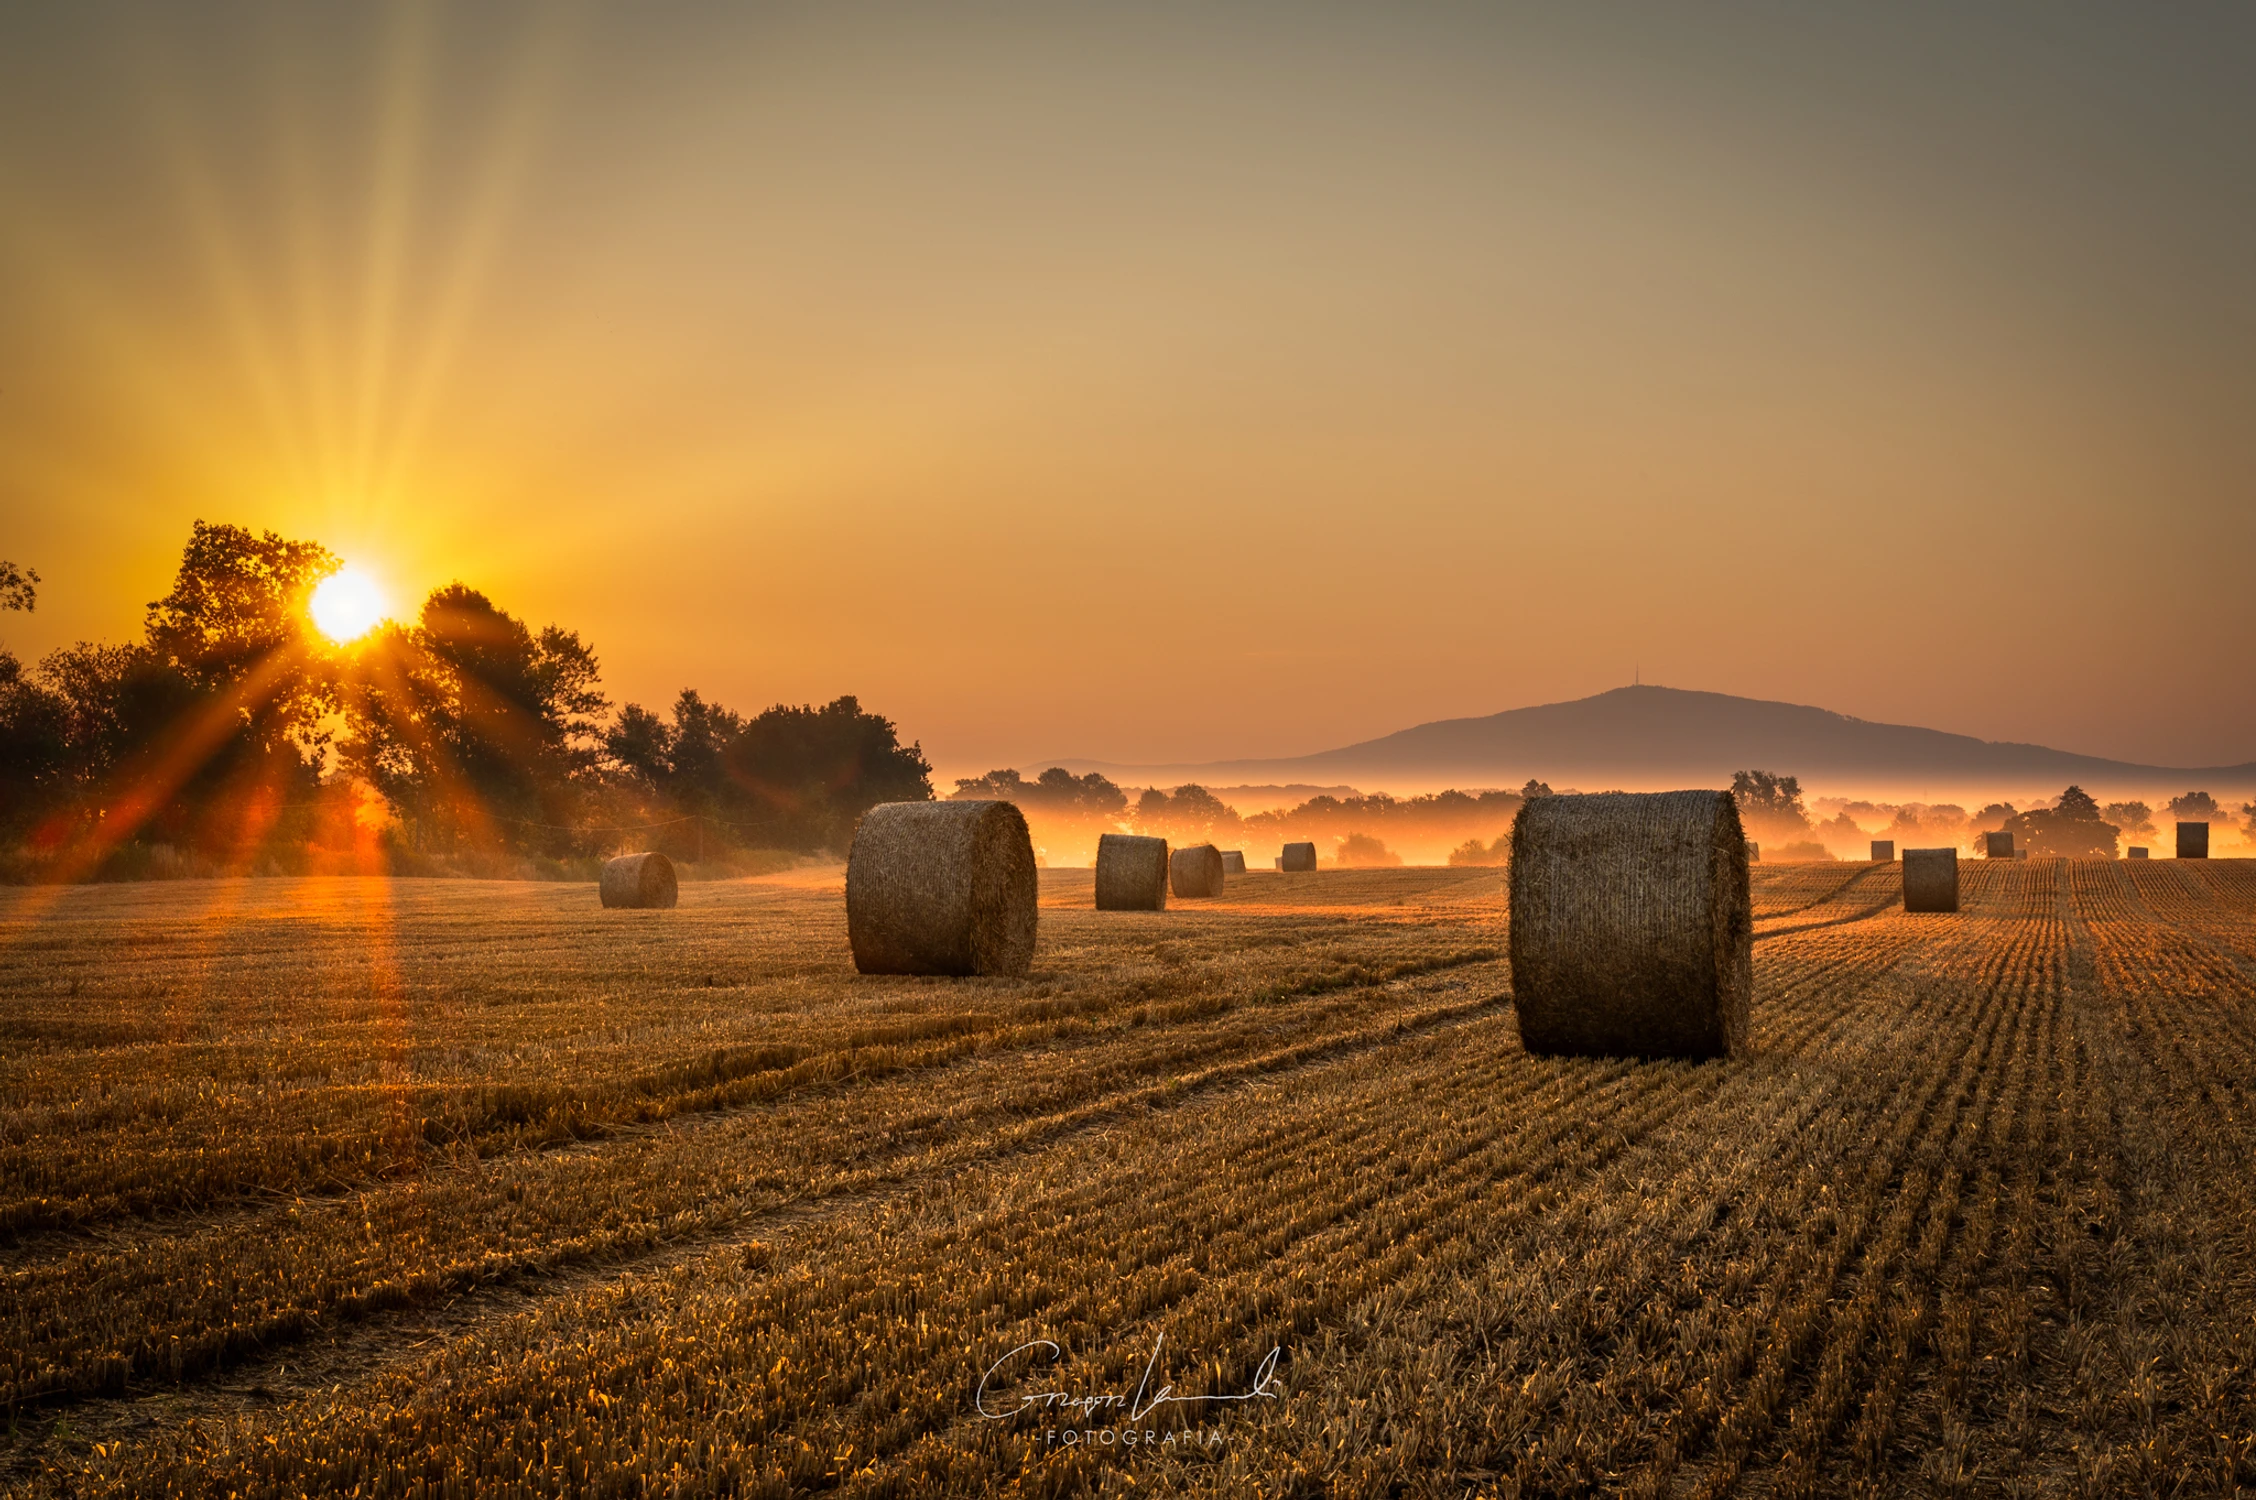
(1883, 850)
(1195, 872)
(639, 880)
(1997, 845)
(1754, 852)
(1298, 857)
(941, 888)
(2193, 841)
(1131, 873)
(1632, 928)
(2136, 851)
(1930, 880)
(1233, 861)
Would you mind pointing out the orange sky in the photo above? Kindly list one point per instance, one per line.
(1183, 385)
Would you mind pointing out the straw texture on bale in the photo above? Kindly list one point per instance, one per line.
(1233, 861)
(639, 880)
(1196, 871)
(2136, 851)
(2193, 841)
(1930, 879)
(1297, 857)
(1632, 929)
(941, 888)
(1131, 873)
(1883, 850)
(1997, 845)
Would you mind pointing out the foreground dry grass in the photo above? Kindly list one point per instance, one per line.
(440, 1187)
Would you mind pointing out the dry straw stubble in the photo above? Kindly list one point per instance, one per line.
(1930, 880)
(1632, 926)
(639, 880)
(1195, 871)
(1131, 873)
(941, 888)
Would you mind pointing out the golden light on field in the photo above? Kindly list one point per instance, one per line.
(347, 605)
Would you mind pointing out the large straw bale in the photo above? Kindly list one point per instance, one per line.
(1233, 861)
(1883, 850)
(1131, 873)
(1930, 879)
(1631, 926)
(1196, 871)
(1997, 845)
(1297, 857)
(2193, 841)
(941, 888)
(639, 880)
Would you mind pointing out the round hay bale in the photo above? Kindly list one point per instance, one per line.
(1131, 873)
(1930, 880)
(639, 880)
(1754, 852)
(941, 888)
(1194, 872)
(1632, 928)
(1298, 857)
(1997, 845)
(1233, 861)
(2193, 841)
(1883, 851)
(2136, 851)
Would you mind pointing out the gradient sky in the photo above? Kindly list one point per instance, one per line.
(1173, 383)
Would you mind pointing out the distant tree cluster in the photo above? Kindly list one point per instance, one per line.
(234, 731)
(2072, 828)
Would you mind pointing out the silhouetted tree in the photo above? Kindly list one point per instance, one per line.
(2070, 829)
(19, 587)
(2195, 807)
(1360, 851)
(2136, 819)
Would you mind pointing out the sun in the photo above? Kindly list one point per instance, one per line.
(347, 605)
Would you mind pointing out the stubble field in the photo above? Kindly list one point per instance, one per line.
(454, 1188)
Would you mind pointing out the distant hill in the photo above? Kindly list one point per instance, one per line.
(1649, 737)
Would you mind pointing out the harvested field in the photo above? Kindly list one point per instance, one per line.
(440, 1187)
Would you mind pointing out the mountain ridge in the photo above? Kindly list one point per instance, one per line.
(1645, 737)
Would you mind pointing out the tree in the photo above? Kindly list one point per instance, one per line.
(473, 725)
(2136, 819)
(1534, 789)
(19, 587)
(1770, 806)
(808, 774)
(2195, 807)
(1360, 851)
(2070, 829)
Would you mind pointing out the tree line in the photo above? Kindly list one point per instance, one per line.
(232, 730)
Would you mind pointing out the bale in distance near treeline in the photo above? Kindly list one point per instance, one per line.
(2193, 841)
(1632, 926)
(1930, 880)
(2136, 851)
(639, 880)
(1233, 862)
(1131, 873)
(1883, 851)
(941, 888)
(1195, 871)
(1298, 857)
(1997, 845)
(1754, 852)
